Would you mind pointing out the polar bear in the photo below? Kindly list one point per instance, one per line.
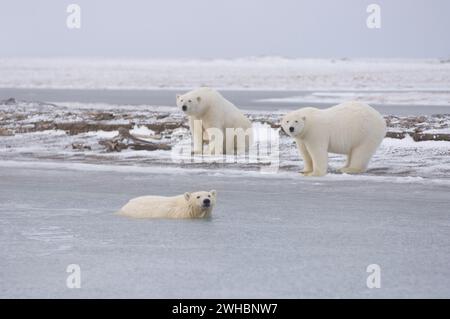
(215, 120)
(351, 128)
(188, 205)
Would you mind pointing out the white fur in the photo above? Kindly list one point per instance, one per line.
(351, 128)
(189, 205)
(215, 112)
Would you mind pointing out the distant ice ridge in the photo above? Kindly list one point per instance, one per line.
(274, 73)
(400, 97)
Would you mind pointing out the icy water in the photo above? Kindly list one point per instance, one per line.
(269, 237)
(259, 100)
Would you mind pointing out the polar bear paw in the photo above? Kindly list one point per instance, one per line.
(315, 173)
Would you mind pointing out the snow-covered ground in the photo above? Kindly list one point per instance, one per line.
(41, 131)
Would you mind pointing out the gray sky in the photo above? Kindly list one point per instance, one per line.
(225, 28)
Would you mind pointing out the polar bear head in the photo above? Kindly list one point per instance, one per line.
(195, 103)
(293, 124)
(201, 203)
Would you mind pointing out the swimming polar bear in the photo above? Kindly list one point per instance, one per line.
(214, 119)
(350, 128)
(188, 205)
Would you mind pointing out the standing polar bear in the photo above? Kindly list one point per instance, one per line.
(215, 120)
(351, 128)
(188, 205)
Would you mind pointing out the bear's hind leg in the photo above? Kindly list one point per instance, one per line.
(359, 159)
(347, 163)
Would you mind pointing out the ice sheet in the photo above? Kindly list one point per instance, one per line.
(243, 73)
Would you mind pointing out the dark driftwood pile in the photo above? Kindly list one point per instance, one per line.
(418, 137)
(126, 140)
(74, 128)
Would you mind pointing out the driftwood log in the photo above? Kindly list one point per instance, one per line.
(5, 132)
(74, 128)
(419, 137)
(430, 137)
(80, 147)
(126, 140)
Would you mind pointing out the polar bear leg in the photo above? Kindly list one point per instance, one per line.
(205, 136)
(347, 163)
(243, 149)
(216, 140)
(307, 161)
(235, 143)
(319, 156)
(229, 146)
(196, 129)
(359, 159)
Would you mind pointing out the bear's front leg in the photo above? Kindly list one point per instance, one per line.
(229, 145)
(307, 161)
(205, 136)
(319, 156)
(215, 139)
(196, 129)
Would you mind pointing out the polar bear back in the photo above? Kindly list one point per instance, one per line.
(154, 207)
(220, 109)
(346, 125)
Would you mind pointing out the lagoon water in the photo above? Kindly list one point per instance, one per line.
(269, 237)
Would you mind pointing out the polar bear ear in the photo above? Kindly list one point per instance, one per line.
(178, 96)
(213, 193)
(187, 196)
(199, 98)
(303, 118)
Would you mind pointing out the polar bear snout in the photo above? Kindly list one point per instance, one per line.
(202, 200)
(206, 202)
(291, 129)
(184, 108)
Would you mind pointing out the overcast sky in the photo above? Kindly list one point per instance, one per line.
(225, 28)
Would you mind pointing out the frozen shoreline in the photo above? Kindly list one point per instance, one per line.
(72, 132)
(48, 165)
